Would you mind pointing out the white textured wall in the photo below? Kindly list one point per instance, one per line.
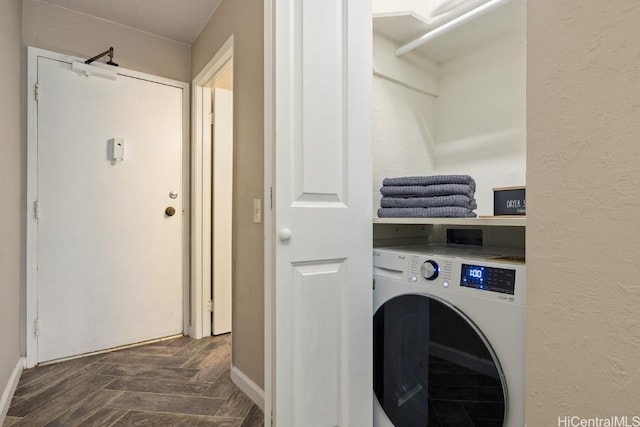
(403, 125)
(64, 31)
(12, 161)
(480, 116)
(402, 134)
(413, 69)
(583, 217)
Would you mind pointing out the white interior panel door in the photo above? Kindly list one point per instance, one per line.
(222, 208)
(323, 301)
(109, 257)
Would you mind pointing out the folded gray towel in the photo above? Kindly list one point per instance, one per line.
(428, 190)
(430, 180)
(429, 202)
(441, 212)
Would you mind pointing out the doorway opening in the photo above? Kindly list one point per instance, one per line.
(212, 189)
(220, 99)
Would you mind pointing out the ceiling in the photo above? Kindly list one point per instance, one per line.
(177, 20)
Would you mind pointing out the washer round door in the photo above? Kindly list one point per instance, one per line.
(433, 367)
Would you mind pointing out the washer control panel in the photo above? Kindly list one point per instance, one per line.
(502, 280)
(470, 273)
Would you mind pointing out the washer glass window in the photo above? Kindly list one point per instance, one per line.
(433, 367)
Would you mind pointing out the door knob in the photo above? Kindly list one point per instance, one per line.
(170, 211)
(284, 235)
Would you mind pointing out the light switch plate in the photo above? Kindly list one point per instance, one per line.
(257, 210)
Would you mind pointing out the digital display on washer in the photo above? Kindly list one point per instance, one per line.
(488, 278)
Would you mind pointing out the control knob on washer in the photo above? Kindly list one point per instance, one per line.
(429, 270)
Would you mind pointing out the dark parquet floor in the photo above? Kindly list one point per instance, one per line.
(177, 382)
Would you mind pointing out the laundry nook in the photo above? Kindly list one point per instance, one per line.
(449, 273)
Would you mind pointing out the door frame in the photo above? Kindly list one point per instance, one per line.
(31, 315)
(269, 217)
(201, 188)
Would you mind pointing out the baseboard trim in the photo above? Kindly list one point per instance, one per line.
(10, 388)
(247, 386)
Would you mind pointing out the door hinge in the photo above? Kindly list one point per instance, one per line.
(271, 198)
(36, 92)
(211, 119)
(36, 210)
(36, 327)
(210, 305)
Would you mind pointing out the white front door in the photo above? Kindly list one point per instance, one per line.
(109, 252)
(323, 224)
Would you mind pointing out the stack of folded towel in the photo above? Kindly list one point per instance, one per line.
(433, 196)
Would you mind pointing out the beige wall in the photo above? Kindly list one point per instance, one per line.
(244, 19)
(583, 221)
(11, 172)
(61, 30)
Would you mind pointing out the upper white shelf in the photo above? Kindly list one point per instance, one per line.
(503, 221)
(403, 27)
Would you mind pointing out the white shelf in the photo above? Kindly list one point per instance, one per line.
(403, 27)
(478, 222)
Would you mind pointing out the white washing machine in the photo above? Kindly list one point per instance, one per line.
(448, 336)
